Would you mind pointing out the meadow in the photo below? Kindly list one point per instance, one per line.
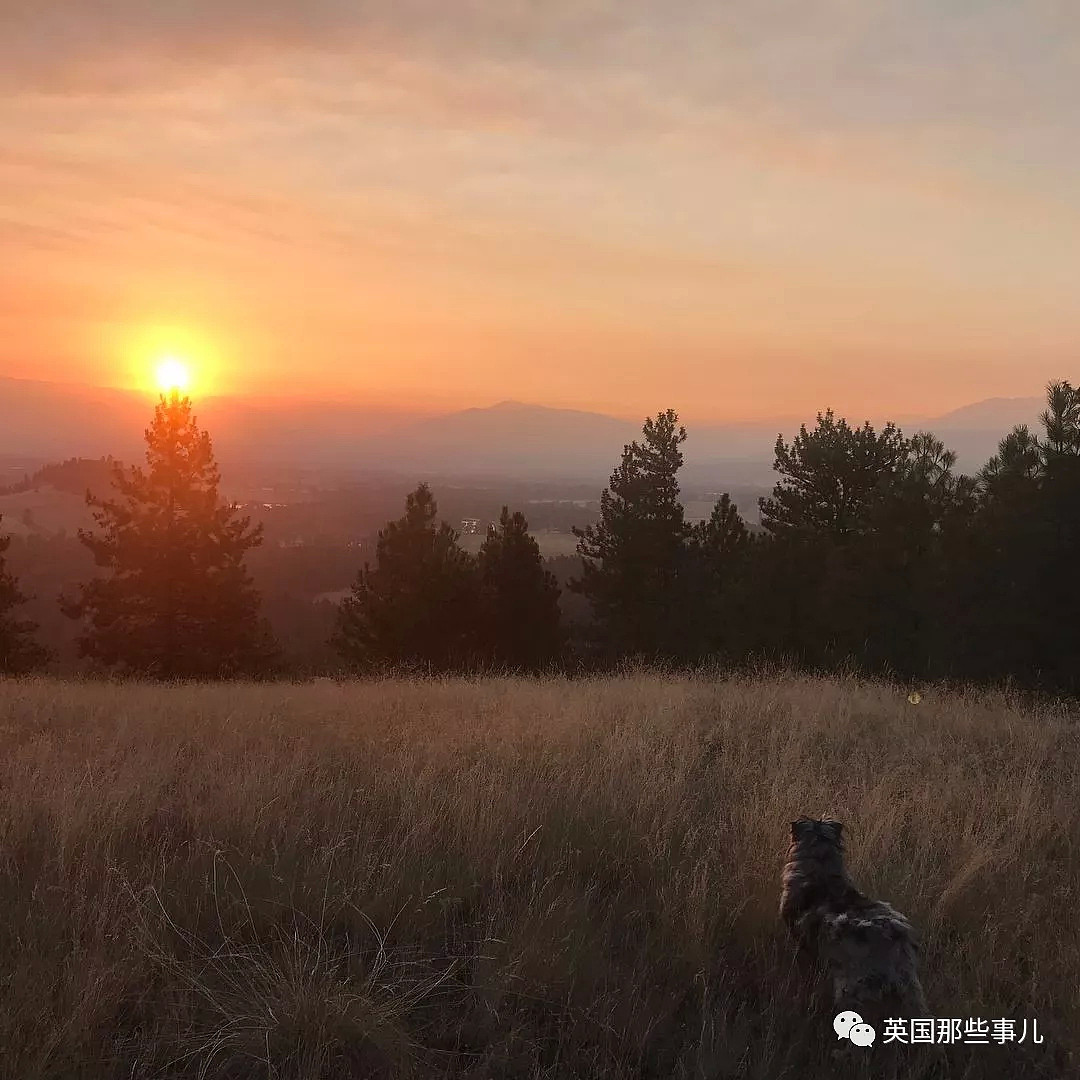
(514, 878)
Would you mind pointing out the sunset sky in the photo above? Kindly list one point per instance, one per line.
(734, 209)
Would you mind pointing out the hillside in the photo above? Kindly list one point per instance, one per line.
(514, 878)
(75, 476)
(993, 414)
(43, 512)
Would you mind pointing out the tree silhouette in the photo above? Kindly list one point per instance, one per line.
(1012, 576)
(715, 561)
(177, 600)
(1059, 585)
(19, 652)
(896, 563)
(829, 477)
(1015, 468)
(999, 576)
(519, 599)
(1061, 420)
(418, 604)
(632, 558)
(853, 566)
(808, 606)
(1031, 518)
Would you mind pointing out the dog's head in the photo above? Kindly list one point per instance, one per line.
(817, 834)
(815, 863)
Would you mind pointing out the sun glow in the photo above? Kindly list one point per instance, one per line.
(173, 375)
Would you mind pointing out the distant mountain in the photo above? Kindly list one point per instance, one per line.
(510, 438)
(975, 430)
(993, 414)
(534, 441)
(53, 421)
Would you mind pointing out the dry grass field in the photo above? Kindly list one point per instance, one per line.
(514, 878)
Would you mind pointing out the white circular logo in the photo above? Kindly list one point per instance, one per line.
(844, 1022)
(862, 1034)
(849, 1025)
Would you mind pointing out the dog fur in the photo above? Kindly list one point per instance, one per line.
(867, 948)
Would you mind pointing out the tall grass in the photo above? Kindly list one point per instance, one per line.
(513, 878)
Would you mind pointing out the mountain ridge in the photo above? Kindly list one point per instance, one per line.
(509, 437)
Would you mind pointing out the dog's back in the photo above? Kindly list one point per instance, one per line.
(873, 959)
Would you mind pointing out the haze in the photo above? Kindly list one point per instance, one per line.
(741, 210)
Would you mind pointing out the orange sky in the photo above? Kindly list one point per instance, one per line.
(737, 210)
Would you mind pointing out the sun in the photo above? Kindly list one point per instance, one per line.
(173, 375)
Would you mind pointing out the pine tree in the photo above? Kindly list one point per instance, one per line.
(1058, 597)
(837, 484)
(418, 604)
(1061, 421)
(716, 558)
(519, 599)
(19, 653)
(723, 535)
(1014, 471)
(996, 573)
(829, 478)
(176, 600)
(896, 564)
(1031, 516)
(1012, 573)
(632, 559)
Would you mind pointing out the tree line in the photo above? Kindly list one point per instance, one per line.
(875, 555)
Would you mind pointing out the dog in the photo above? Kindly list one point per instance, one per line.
(866, 947)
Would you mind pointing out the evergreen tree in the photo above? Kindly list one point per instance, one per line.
(176, 600)
(783, 586)
(1026, 576)
(715, 560)
(418, 604)
(853, 569)
(519, 599)
(807, 592)
(830, 477)
(632, 559)
(998, 575)
(1061, 421)
(723, 535)
(19, 653)
(897, 563)
(1058, 596)
(1014, 471)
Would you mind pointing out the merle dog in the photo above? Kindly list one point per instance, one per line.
(867, 948)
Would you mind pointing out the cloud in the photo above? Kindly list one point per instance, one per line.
(902, 92)
(721, 171)
(108, 44)
(835, 62)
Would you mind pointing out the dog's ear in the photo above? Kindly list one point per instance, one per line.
(834, 828)
(798, 828)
